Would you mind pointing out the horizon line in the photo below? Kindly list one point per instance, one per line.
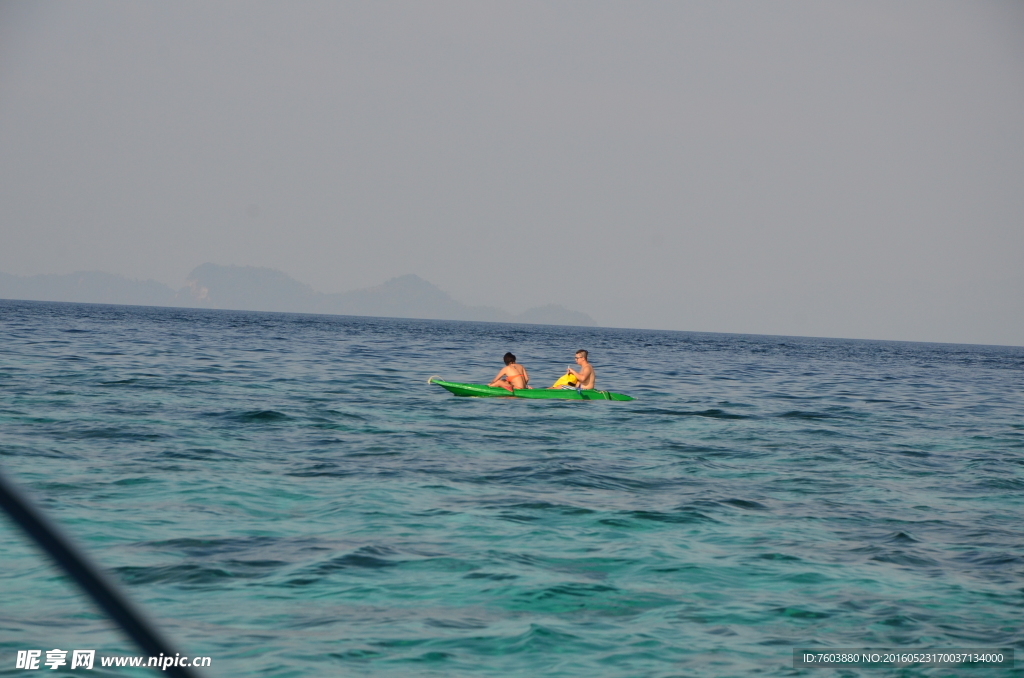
(502, 322)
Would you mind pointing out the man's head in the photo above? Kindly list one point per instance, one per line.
(509, 358)
(582, 355)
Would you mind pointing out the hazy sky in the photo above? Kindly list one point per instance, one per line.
(833, 169)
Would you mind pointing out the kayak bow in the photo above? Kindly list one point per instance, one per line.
(484, 391)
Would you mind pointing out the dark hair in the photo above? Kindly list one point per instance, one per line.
(584, 352)
(509, 358)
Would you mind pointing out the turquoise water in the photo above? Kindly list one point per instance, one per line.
(286, 494)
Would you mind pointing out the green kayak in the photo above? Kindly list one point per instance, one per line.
(484, 391)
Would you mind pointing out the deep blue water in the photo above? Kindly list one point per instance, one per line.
(286, 494)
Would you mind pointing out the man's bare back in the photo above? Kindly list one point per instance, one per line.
(585, 375)
(512, 375)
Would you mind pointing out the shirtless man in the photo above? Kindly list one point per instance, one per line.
(511, 376)
(585, 376)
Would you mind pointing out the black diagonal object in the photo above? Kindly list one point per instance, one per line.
(87, 576)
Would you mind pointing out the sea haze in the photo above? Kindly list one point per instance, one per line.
(251, 288)
(286, 494)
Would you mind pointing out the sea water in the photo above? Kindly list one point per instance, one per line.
(287, 495)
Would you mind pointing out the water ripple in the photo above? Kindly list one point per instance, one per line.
(287, 495)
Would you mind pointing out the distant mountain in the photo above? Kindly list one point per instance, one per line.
(249, 288)
(88, 287)
(553, 314)
(246, 288)
(408, 296)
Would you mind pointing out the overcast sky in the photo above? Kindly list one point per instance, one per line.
(851, 169)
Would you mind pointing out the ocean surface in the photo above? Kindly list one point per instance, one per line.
(288, 496)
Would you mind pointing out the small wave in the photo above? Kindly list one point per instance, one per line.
(456, 623)
(777, 556)
(518, 517)
(134, 481)
(547, 506)
(805, 578)
(357, 655)
(494, 576)
(571, 476)
(114, 434)
(746, 504)
(910, 452)
(900, 538)
(994, 560)
(206, 547)
(679, 516)
(431, 657)
(799, 414)
(599, 599)
(713, 413)
(364, 558)
(1014, 484)
(800, 613)
(345, 415)
(536, 639)
(899, 620)
(321, 470)
(904, 558)
(197, 454)
(192, 575)
(253, 416)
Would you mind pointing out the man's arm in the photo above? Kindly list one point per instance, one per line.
(584, 374)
